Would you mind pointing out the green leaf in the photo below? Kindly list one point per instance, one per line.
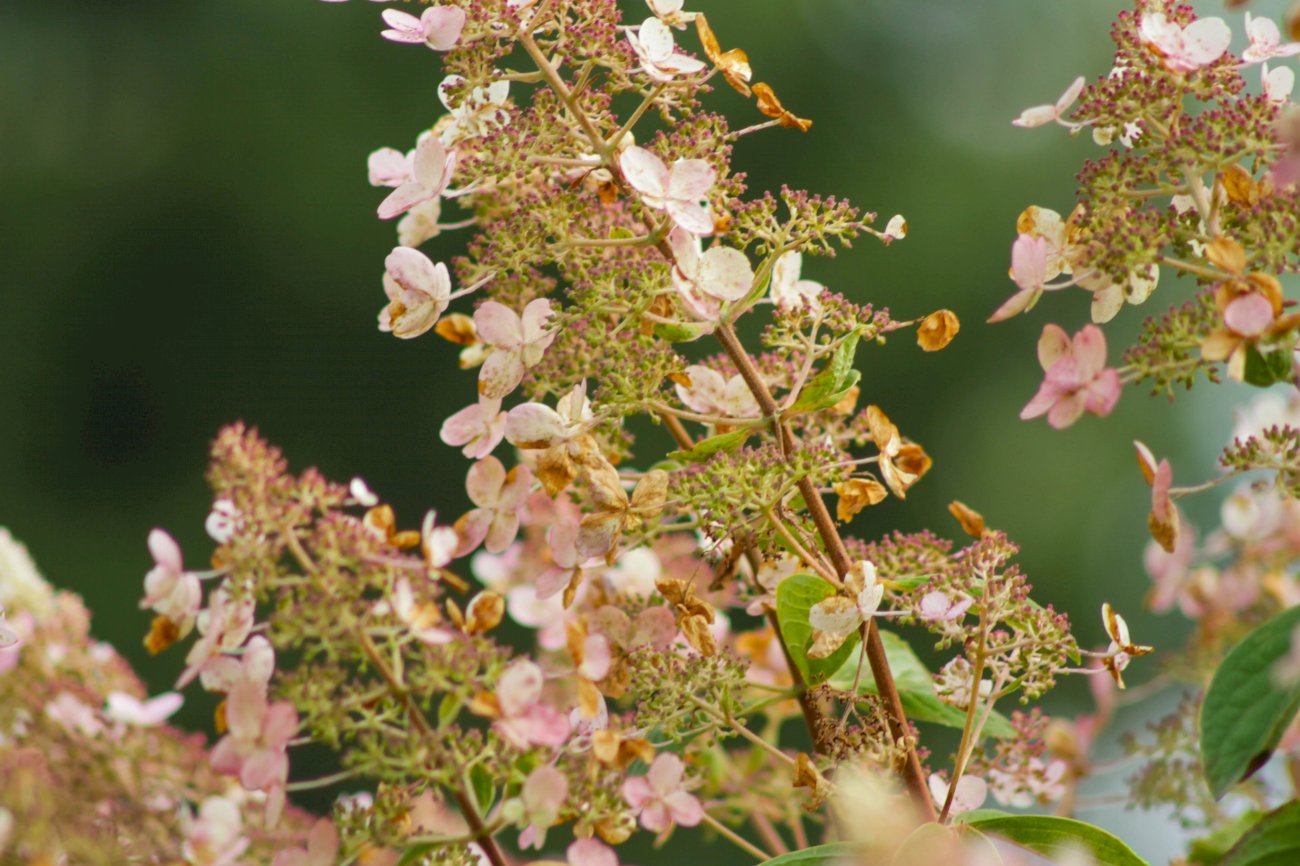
(795, 596)
(706, 448)
(818, 855)
(1047, 835)
(828, 386)
(415, 854)
(1267, 367)
(1244, 713)
(915, 688)
(679, 333)
(1274, 841)
(1209, 850)
(483, 787)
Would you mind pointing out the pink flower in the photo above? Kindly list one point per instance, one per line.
(653, 44)
(518, 342)
(1185, 49)
(422, 175)
(542, 796)
(525, 720)
(224, 626)
(439, 27)
(1249, 314)
(500, 497)
(938, 607)
(1077, 378)
(130, 710)
(215, 837)
(418, 292)
(563, 540)
(677, 190)
(255, 664)
(1266, 41)
(168, 589)
(706, 280)
(1029, 270)
(255, 749)
(709, 393)
(971, 793)
(479, 428)
(659, 797)
(322, 848)
(1041, 115)
(437, 543)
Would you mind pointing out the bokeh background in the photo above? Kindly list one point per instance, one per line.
(188, 239)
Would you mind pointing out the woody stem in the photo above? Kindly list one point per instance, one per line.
(912, 772)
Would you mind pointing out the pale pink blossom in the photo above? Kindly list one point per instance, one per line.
(542, 796)
(1266, 41)
(1185, 49)
(536, 425)
(711, 394)
(222, 522)
(591, 852)
(518, 343)
(418, 292)
(420, 176)
(1077, 379)
(255, 747)
(1029, 270)
(670, 12)
(788, 291)
(500, 497)
(437, 543)
(596, 658)
(1041, 115)
(439, 27)
(322, 848)
(525, 719)
(224, 626)
(479, 428)
(971, 793)
(74, 715)
(361, 492)
(168, 588)
(1278, 83)
(1249, 314)
(677, 190)
(660, 59)
(635, 572)
(568, 563)
(216, 836)
(706, 280)
(659, 798)
(420, 223)
(255, 664)
(936, 606)
(130, 710)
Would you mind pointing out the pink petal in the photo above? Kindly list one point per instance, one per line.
(165, 551)
(656, 817)
(1042, 401)
(388, 167)
(533, 321)
(501, 373)
(637, 791)
(498, 325)
(655, 627)
(281, 724)
(402, 199)
(414, 272)
(263, 768)
(1161, 505)
(1039, 115)
(693, 217)
(725, 274)
(519, 687)
(544, 725)
(1014, 305)
(665, 774)
(533, 425)
(1205, 40)
(691, 179)
(322, 844)
(1066, 411)
(591, 852)
(596, 657)
(472, 529)
(1068, 98)
(1101, 396)
(432, 164)
(442, 26)
(484, 480)
(225, 758)
(645, 172)
(1249, 315)
(464, 425)
(1029, 262)
(1089, 352)
(686, 809)
(246, 710)
(501, 532)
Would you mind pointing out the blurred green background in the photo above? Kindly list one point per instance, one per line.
(189, 239)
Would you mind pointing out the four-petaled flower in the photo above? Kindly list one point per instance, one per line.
(711, 394)
(1077, 378)
(420, 176)
(439, 27)
(1185, 49)
(653, 44)
(254, 749)
(478, 427)
(500, 497)
(677, 190)
(418, 292)
(705, 280)
(1266, 41)
(518, 342)
(659, 797)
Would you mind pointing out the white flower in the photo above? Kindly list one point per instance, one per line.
(21, 586)
(1278, 83)
(1041, 115)
(1266, 41)
(125, 708)
(677, 190)
(707, 279)
(788, 291)
(480, 111)
(1185, 49)
(362, 493)
(653, 44)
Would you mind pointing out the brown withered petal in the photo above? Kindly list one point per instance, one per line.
(650, 493)
(937, 330)
(1268, 286)
(589, 700)
(485, 704)
(453, 613)
(1218, 345)
(219, 723)
(1239, 185)
(484, 612)
(913, 460)
(555, 470)
(696, 631)
(405, 540)
(575, 637)
(162, 634)
(598, 533)
(607, 491)
(848, 402)
(972, 522)
(883, 431)
(1165, 532)
(770, 106)
(617, 829)
(381, 520)
(680, 379)
(806, 775)
(1226, 254)
(571, 591)
(608, 193)
(855, 495)
(604, 745)
(457, 328)
(733, 64)
(1293, 21)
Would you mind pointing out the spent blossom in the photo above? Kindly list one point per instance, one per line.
(500, 496)
(525, 719)
(418, 292)
(518, 343)
(254, 749)
(478, 427)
